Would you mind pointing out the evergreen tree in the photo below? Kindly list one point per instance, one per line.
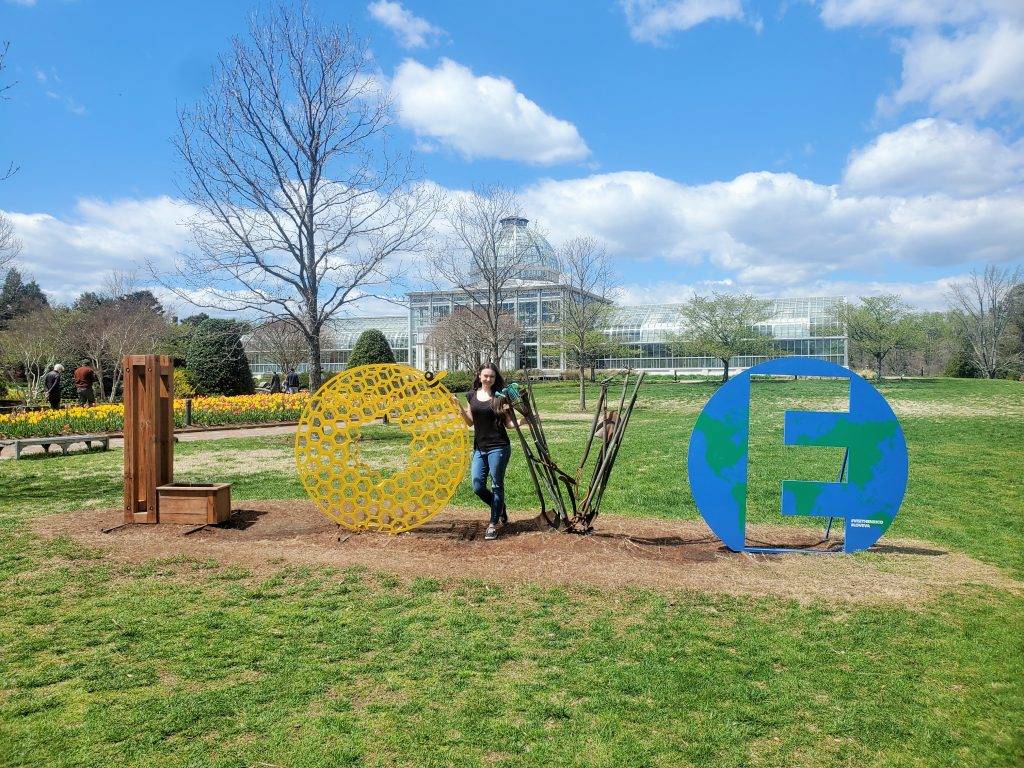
(19, 298)
(371, 348)
(216, 361)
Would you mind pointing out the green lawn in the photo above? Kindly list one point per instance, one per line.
(185, 663)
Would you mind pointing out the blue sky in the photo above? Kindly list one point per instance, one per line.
(839, 147)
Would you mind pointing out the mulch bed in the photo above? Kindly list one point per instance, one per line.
(622, 552)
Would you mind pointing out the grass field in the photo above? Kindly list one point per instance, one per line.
(183, 662)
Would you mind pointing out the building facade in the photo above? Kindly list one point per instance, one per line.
(535, 297)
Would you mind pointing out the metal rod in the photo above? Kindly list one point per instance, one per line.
(842, 471)
(613, 450)
(528, 454)
(593, 430)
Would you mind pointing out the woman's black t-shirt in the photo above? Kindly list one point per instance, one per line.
(488, 427)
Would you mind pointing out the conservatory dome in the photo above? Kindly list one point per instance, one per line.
(517, 244)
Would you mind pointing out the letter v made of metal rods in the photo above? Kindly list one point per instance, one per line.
(567, 509)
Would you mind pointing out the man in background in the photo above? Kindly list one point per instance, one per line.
(275, 383)
(291, 383)
(85, 377)
(51, 382)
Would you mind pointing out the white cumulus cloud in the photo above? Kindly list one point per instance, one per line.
(960, 57)
(74, 254)
(411, 30)
(481, 116)
(935, 156)
(651, 21)
(771, 229)
(927, 201)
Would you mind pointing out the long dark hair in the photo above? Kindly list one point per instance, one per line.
(499, 381)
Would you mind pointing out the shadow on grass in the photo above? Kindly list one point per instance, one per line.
(896, 549)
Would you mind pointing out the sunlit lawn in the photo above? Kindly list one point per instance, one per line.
(198, 663)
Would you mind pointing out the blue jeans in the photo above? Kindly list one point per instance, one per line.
(493, 463)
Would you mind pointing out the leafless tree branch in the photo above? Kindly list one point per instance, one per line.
(983, 306)
(300, 207)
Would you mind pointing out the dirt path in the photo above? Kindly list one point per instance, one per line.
(622, 552)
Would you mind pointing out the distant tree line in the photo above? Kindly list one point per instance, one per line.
(100, 328)
(979, 335)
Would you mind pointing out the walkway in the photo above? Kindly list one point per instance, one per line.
(213, 434)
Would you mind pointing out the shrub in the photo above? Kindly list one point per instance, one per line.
(182, 384)
(458, 382)
(461, 382)
(371, 348)
(962, 366)
(216, 361)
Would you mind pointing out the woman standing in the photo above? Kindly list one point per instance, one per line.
(489, 416)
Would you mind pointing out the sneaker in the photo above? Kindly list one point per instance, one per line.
(491, 533)
(504, 515)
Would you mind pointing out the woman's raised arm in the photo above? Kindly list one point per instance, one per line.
(467, 414)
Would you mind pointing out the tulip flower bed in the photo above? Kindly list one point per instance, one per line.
(206, 412)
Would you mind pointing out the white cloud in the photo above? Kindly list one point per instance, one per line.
(960, 57)
(771, 233)
(650, 21)
(779, 230)
(410, 29)
(911, 13)
(935, 156)
(74, 254)
(481, 116)
(968, 73)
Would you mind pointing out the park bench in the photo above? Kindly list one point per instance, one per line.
(63, 441)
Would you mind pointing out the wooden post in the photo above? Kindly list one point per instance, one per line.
(148, 434)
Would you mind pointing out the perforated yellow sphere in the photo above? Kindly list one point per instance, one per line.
(381, 485)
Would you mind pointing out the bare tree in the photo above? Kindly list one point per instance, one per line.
(984, 308)
(28, 348)
(482, 261)
(4, 88)
(462, 337)
(123, 322)
(280, 340)
(724, 325)
(10, 245)
(300, 208)
(586, 306)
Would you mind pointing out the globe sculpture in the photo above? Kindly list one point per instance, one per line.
(362, 496)
(872, 480)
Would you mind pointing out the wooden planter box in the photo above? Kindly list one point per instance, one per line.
(199, 504)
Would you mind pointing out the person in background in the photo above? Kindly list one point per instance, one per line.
(275, 383)
(85, 377)
(52, 385)
(291, 383)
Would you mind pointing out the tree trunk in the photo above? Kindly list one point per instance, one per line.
(725, 369)
(315, 369)
(98, 368)
(878, 367)
(113, 384)
(583, 390)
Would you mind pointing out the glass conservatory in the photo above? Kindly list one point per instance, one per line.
(535, 297)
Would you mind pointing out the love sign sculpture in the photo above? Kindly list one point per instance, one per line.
(361, 495)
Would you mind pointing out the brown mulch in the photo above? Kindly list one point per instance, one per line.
(621, 552)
